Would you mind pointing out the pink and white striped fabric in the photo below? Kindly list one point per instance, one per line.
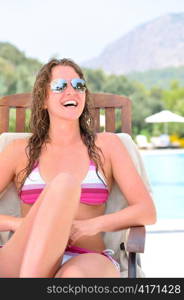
(94, 191)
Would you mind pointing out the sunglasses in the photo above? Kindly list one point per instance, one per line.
(59, 85)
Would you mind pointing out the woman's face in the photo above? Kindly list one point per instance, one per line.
(56, 100)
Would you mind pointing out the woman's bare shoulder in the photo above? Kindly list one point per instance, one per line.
(104, 139)
(22, 158)
(113, 145)
(16, 146)
(21, 143)
(105, 142)
(20, 149)
(12, 155)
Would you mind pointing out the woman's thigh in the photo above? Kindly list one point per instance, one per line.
(88, 265)
(11, 253)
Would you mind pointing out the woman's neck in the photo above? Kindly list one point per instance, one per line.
(66, 134)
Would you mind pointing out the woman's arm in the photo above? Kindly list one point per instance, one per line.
(141, 209)
(9, 158)
(9, 223)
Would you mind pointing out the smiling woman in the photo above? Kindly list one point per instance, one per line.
(63, 174)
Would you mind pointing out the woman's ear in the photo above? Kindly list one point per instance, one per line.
(45, 106)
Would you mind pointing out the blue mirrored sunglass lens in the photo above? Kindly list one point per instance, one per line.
(58, 85)
(78, 84)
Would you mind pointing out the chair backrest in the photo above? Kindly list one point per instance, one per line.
(108, 102)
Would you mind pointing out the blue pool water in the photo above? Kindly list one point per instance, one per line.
(166, 176)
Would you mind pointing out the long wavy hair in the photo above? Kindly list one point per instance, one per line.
(40, 121)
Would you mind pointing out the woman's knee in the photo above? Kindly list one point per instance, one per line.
(65, 180)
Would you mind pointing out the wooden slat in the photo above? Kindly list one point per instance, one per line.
(110, 119)
(20, 119)
(107, 101)
(4, 118)
(97, 119)
(16, 100)
(126, 118)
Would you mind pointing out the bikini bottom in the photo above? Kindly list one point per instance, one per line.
(72, 251)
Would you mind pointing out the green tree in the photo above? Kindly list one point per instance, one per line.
(172, 96)
(11, 53)
(17, 72)
(173, 99)
(119, 85)
(7, 76)
(95, 79)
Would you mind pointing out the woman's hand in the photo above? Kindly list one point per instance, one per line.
(15, 223)
(9, 223)
(83, 228)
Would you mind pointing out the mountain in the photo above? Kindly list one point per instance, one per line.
(154, 45)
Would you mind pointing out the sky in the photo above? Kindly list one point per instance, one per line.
(76, 29)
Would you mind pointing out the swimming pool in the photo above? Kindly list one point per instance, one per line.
(165, 171)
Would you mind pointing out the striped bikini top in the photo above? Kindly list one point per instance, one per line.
(93, 190)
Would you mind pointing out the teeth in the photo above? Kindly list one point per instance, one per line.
(70, 102)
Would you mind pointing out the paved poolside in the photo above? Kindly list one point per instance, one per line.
(164, 249)
(161, 151)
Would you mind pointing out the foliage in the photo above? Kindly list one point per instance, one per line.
(17, 72)
(160, 78)
(17, 75)
(173, 99)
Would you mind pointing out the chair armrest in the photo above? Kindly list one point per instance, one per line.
(136, 239)
(133, 246)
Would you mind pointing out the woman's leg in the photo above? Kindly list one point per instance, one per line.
(12, 252)
(88, 265)
(35, 248)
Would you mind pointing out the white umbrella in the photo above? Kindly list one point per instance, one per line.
(164, 116)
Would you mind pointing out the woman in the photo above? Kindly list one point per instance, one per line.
(63, 174)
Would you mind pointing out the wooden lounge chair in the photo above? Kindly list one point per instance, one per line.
(127, 244)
